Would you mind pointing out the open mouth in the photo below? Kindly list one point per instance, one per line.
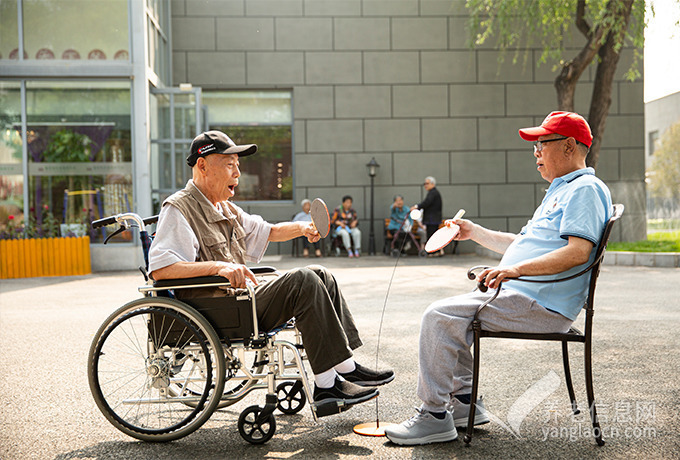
(232, 188)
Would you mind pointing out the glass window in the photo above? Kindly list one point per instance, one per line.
(80, 159)
(74, 29)
(9, 32)
(159, 48)
(11, 174)
(263, 118)
(653, 141)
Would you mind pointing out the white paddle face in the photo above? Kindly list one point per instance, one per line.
(320, 217)
(416, 214)
(444, 235)
(441, 238)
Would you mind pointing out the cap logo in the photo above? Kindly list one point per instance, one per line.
(206, 149)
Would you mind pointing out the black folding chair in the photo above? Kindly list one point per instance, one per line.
(573, 335)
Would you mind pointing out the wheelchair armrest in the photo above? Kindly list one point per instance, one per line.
(262, 270)
(179, 282)
(208, 280)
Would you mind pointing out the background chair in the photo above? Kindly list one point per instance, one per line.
(573, 335)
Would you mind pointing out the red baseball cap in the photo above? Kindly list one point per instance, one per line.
(567, 124)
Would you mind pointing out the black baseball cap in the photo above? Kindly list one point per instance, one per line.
(211, 142)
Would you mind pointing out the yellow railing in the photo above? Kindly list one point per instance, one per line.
(45, 257)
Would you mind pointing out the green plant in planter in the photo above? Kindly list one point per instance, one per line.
(67, 146)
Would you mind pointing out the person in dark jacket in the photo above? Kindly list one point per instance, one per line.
(432, 207)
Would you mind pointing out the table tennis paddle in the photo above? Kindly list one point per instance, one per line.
(320, 217)
(444, 235)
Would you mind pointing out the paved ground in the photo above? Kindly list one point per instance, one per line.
(46, 410)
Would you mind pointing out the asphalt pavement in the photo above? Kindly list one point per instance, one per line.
(47, 411)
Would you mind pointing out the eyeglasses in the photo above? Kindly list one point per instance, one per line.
(538, 145)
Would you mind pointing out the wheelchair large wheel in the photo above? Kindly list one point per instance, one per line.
(148, 360)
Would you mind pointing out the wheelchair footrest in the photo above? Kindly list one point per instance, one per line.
(324, 409)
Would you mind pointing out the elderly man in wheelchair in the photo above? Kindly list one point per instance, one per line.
(159, 366)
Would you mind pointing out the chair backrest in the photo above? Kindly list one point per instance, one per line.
(599, 257)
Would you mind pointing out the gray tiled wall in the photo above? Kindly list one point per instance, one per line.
(394, 80)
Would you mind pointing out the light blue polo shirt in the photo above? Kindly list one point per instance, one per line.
(576, 204)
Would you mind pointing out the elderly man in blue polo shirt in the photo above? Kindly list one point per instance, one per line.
(560, 239)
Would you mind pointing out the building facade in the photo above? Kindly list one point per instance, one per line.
(322, 86)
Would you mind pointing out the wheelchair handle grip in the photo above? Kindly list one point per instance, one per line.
(151, 220)
(103, 222)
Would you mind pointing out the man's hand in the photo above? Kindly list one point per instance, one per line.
(311, 233)
(466, 228)
(492, 277)
(237, 274)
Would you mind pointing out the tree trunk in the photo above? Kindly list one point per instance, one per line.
(601, 99)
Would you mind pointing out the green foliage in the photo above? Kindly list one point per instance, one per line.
(67, 146)
(665, 170)
(548, 25)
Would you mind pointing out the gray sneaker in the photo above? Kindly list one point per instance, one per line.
(422, 428)
(460, 412)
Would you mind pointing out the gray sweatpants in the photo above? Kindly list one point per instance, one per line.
(446, 338)
(312, 296)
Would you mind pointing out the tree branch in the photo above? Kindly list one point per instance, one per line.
(581, 22)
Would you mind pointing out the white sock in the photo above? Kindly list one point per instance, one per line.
(346, 366)
(325, 379)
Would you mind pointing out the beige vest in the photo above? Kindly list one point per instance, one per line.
(220, 235)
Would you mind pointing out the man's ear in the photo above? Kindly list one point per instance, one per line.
(201, 165)
(570, 146)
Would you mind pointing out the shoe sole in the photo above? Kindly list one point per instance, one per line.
(348, 401)
(479, 420)
(372, 383)
(439, 437)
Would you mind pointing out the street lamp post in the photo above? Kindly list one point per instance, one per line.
(372, 170)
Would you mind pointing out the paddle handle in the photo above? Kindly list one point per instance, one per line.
(459, 214)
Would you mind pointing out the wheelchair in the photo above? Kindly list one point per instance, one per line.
(158, 367)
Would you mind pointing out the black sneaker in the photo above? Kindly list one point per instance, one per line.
(344, 393)
(366, 377)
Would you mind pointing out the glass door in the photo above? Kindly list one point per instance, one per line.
(176, 118)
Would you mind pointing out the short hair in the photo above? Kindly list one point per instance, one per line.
(346, 197)
(302, 203)
(431, 179)
(584, 147)
(397, 196)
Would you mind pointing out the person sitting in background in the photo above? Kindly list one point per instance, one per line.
(344, 221)
(400, 219)
(305, 216)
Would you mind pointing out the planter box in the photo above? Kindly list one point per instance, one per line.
(29, 258)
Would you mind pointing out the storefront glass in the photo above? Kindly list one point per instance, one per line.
(11, 174)
(66, 29)
(80, 160)
(9, 32)
(263, 118)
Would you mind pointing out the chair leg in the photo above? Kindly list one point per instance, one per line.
(591, 394)
(567, 378)
(476, 327)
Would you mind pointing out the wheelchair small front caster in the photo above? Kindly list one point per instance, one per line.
(422, 253)
(253, 431)
(395, 253)
(291, 397)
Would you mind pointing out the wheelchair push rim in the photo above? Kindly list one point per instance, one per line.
(142, 369)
